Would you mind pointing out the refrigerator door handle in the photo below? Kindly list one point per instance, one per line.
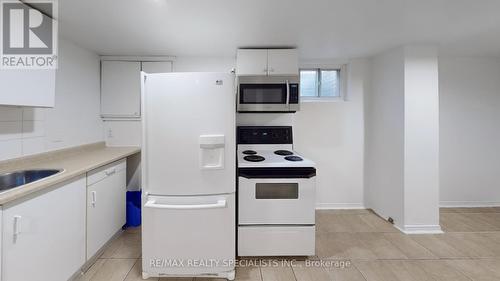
(221, 203)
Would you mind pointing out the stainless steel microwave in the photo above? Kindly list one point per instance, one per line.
(268, 94)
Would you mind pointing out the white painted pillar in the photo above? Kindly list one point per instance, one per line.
(402, 138)
(421, 140)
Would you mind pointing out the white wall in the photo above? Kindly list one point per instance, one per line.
(470, 131)
(384, 136)
(73, 121)
(332, 135)
(204, 64)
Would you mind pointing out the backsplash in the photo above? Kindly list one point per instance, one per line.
(22, 131)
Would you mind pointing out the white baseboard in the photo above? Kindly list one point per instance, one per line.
(336, 206)
(420, 229)
(468, 204)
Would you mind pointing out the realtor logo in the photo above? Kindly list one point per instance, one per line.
(29, 34)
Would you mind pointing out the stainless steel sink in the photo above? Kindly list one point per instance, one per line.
(18, 178)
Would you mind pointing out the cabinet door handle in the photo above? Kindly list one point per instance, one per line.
(110, 172)
(265, 70)
(17, 227)
(94, 198)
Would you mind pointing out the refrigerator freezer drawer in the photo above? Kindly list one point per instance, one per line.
(276, 240)
(188, 235)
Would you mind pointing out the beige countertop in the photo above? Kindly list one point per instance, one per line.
(75, 162)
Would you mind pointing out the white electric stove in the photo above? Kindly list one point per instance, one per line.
(276, 194)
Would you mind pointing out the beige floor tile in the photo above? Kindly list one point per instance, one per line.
(344, 273)
(277, 273)
(408, 270)
(133, 230)
(457, 222)
(91, 271)
(489, 221)
(492, 236)
(491, 218)
(378, 224)
(375, 271)
(175, 279)
(248, 273)
(128, 245)
(338, 270)
(304, 272)
(113, 270)
(367, 222)
(378, 245)
(448, 210)
(422, 270)
(467, 222)
(438, 245)
(408, 246)
(478, 269)
(461, 245)
(360, 245)
(135, 273)
(341, 246)
(453, 222)
(326, 222)
(359, 223)
(473, 245)
(440, 270)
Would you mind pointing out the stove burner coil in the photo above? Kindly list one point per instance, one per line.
(254, 158)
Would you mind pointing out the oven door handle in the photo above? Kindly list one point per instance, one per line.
(221, 203)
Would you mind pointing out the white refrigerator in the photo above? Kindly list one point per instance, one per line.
(188, 160)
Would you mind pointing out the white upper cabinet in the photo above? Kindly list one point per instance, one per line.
(120, 89)
(121, 86)
(267, 62)
(157, 66)
(282, 62)
(23, 87)
(251, 62)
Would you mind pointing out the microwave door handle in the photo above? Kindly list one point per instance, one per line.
(287, 92)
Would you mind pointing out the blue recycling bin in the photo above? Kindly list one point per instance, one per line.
(133, 209)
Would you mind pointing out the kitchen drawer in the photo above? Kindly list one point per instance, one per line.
(101, 173)
(276, 240)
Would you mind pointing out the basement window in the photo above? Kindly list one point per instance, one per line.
(322, 84)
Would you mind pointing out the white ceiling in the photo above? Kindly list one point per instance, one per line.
(319, 28)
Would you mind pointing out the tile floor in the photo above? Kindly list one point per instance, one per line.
(370, 249)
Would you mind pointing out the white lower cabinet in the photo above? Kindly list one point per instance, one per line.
(43, 236)
(106, 191)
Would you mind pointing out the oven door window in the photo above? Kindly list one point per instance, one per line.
(263, 93)
(277, 191)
